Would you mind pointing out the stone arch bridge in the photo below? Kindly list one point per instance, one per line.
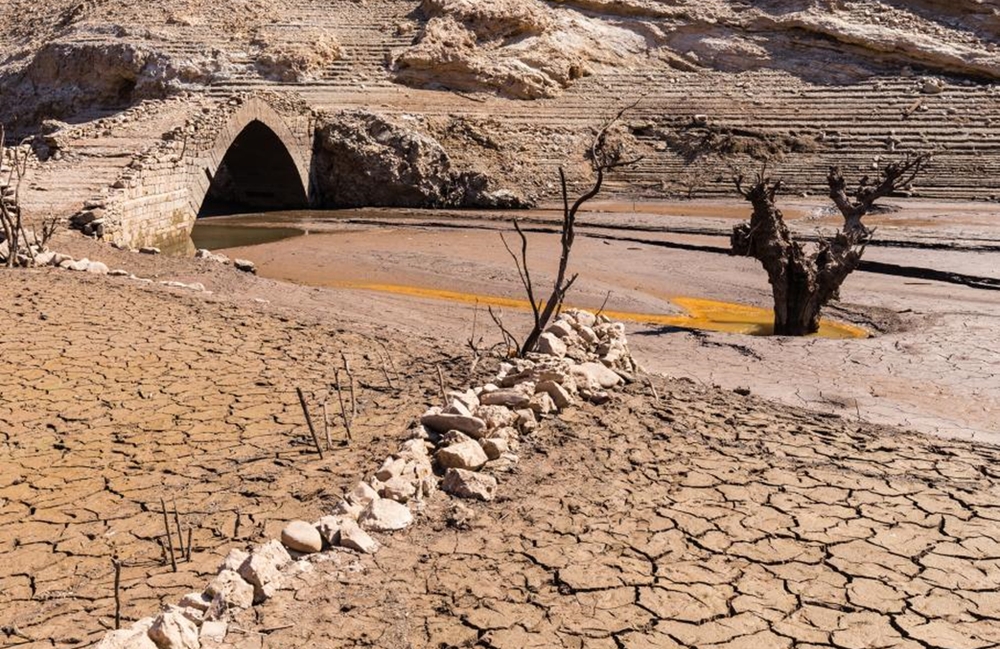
(253, 152)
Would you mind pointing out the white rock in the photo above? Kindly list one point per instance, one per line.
(468, 484)
(560, 397)
(588, 335)
(245, 265)
(464, 455)
(596, 376)
(329, 528)
(526, 419)
(97, 268)
(385, 515)
(542, 404)
(301, 536)
(263, 569)
(196, 601)
(214, 631)
(234, 559)
(353, 537)
(172, 630)
(363, 494)
(560, 329)
(494, 447)
(443, 422)
(134, 637)
(229, 590)
(583, 318)
(469, 398)
(391, 468)
(399, 488)
(510, 398)
(349, 509)
(551, 345)
(458, 407)
(496, 417)
(413, 448)
(45, 258)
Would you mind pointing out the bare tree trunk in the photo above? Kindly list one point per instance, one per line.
(801, 283)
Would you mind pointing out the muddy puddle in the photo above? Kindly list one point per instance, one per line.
(350, 250)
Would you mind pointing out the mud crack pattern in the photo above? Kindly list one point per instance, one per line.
(114, 396)
(702, 519)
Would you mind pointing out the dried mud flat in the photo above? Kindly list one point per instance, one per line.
(116, 395)
(676, 516)
(696, 519)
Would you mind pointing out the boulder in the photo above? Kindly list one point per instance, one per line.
(363, 494)
(196, 601)
(329, 528)
(349, 509)
(214, 631)
(208, 255)
(561, 329)
(263, 569)
(441, 423)
(496, 417)
(596, 375)
(542, 404)
(97, 268)
(391, 468)
(172, 630)
(508, 398)
(45, 258)
(229, 590)
(469, 484)
(234, 559)
(353, 537)
(385, 515)
(582, 318)
(560, 397)
(245, 265)
(301, 536)
(400, 488)
(464, 455)
(494, 447)
(134, 637)
(551, 345)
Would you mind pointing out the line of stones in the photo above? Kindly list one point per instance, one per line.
(581, 356)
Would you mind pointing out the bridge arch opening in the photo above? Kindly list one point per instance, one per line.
(257, 174)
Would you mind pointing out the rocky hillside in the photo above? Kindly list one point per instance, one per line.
(61, 57)
(513, 86)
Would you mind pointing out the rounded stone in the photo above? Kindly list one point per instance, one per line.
(301, 536)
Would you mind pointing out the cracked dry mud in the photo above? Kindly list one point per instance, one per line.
(697, 519)
(702, 519)
(113, 396)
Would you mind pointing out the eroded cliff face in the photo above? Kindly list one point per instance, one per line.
(522, 49)
(61, 57)
(367, 159)
(527, 49)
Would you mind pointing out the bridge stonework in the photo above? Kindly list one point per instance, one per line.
(157, 199)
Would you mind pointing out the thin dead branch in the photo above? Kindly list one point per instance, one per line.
(309, 423)
(170, 540)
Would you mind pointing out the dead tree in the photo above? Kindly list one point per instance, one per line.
(606, 154)
(805, 278)
(13, 165)
(16, 246)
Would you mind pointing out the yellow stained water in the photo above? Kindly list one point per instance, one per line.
(698, 313)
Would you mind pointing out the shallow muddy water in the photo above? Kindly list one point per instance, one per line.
(398, 252)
